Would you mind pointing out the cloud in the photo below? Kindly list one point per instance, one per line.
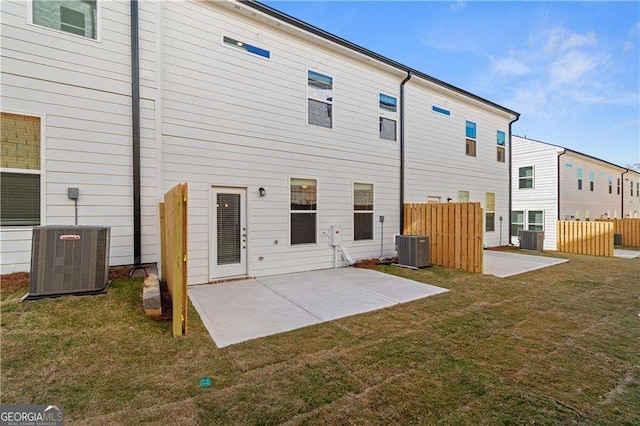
(628, 46)
(458, 5)
(635, 29)
(561, 39)
(571, 67)
(509, 66)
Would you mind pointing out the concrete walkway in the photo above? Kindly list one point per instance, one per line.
(504, 264)
(238, 311)
(626, 254)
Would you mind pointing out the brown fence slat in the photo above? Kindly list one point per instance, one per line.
(628, 227)
(173, 241)
(455, 232)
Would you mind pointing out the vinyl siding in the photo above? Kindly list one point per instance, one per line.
(82, 88)
(543, 196)
(435, 156)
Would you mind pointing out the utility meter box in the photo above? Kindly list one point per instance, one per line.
(335, 235)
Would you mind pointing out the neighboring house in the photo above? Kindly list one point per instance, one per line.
(552, 183)
(279, 128)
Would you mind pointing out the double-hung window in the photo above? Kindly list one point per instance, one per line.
(618, 186)
(490, 211)
(304, 208)
(536, 220)
(388, 116)
(470, 139)
(525, 177)
(20, 170)
(501, 140)
(517, 222)
(362, 211)
(319, 99)
(610, 185)
(72, 16)
(592, 178)
(580, 179)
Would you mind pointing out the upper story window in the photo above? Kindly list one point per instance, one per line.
(610, 185)
(592, 178)
(580, 179)
(525, 176)
(440, 110)
(77, 17)
(471, 139)
(501, 140)
(320, 99)
(228, 41)
(388, 116)
(20, 170)
(618, 186)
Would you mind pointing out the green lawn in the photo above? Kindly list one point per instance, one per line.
(556, 346)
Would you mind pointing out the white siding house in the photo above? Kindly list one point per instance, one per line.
(279, 129)
(552, 183)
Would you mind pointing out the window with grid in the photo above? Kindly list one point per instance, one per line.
(525, 177)
(536, 220)
(470, 139)
(388, 116)
(490, 211)
(20, 170)
(71, 16)
(304, 209)
(362, 211)
(517, 222)
(319, 99)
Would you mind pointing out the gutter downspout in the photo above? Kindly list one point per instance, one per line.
(402, 151)
(622, 189)
(564, 151)
(510, 177)
(135, 126)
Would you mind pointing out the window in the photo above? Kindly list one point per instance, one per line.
(631, 186)
(618, 186)
(525, 176)
(517, 222)
(471, 139)
(71, 16)
(490, 211)
(20, 172)
(362, 211)
(320, 99)
(501, 140)
(439, 110)
(610, 185)
(580, 179)
(638, 189)
(536, 220)
(500, 154)
(388, 114)
(592, 178)
(463, 196)
(228, 41)
(304, 209)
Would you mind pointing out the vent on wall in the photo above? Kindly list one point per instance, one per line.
(68, 260)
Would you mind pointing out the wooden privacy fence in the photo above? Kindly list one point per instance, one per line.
(628, 227)
(173, 242)
(593, 238)
(454, 229)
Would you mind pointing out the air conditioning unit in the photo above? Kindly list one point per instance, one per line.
(68, 260)
(617, 239)
(413, 250)
(531, 240)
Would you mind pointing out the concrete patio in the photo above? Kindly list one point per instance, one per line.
(626, 254)
(238, 311)
(504, 264)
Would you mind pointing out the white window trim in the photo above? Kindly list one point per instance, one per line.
(468, 195)
(98, 38)
(242, 51)
(487, 211)
(533, 177)
(466, 138)
(316, 211)
(523, 223)
(529, 223)
(354, 211)
(388, 116)
(307, 97)
(42, 172)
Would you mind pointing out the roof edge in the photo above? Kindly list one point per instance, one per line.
(352, 46)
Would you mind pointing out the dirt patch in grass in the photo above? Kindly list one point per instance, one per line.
(558, 346)
(11, 283)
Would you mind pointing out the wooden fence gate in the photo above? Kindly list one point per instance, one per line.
(593, 238)
(173, 242)
(454, 229)
(628, 227)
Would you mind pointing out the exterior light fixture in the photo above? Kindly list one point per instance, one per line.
(262, 192)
